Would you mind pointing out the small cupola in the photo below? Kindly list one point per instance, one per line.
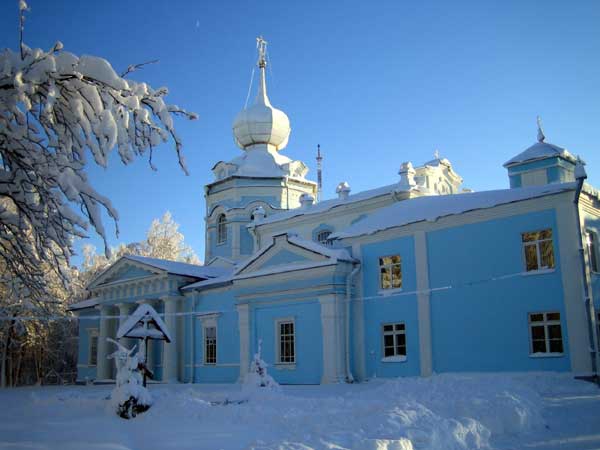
(306, 200)
(343, 190)
(542, 163)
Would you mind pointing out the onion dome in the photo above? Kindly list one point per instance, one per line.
(261, 123)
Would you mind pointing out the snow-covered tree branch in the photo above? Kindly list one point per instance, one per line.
(57, 109)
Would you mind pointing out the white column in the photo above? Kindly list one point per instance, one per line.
(170, 349)
(332, 372)
(423, 304)
(124, 310)
(103, 365)
(244, 328)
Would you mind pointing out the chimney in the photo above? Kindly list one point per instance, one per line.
(407, 177)
(343, 190)
(306, 200)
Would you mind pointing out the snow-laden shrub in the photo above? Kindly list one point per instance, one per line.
(258, 376)
(129, 397)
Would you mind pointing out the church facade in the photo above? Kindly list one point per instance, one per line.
(409, 279)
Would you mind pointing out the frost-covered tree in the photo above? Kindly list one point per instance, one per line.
(165, 241)
(56, 111)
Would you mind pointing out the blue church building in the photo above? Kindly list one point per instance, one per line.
(414, 278)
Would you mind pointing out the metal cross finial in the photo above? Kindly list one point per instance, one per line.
(261, 45)
(540, 135)
(436, 154)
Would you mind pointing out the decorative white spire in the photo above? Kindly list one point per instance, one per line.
(436, 154)
(540, 132)
(262, 97)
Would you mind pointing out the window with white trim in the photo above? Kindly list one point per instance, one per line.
(545, 333)
(538, 250)
(390, 272)
(590, 243)
(323, 238)
(210, 345)
(221, 229)
(394, 340)
(93, 347)
(286, 342)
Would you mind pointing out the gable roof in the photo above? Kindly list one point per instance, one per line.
(179, 268)
(540, 150)
(432, 208)
(314, 247)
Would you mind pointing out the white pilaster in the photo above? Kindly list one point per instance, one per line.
(170, 349)
(423, 303)
(332, 369)
(103, 365)
(244, 328)
(358, 334)
(573, 288)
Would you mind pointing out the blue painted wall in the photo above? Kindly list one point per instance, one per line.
(227, 369)
(309, 352)
(84, 371)
(483, 326)
(382, 309)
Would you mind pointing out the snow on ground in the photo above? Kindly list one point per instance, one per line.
(471, 411)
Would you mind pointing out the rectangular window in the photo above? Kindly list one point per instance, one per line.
(538, 249)
(394, 340)
(390, 272)
(286, 342)
(210, 345)
(546, 333)
(93, 347)
(590, 243)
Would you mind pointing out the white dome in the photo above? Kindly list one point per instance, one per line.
(261, 123)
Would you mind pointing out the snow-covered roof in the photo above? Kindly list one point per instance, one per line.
(540, 150)
(327, 205)
(225, 279)
(180, 268)
(90, 302)
(432, 208)
(284, 268)
(134, 325)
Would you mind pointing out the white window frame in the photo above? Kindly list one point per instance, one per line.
(221, 229)
(389, 267)
(591, 246)
(396, 357)
(545, 322)
(278, 323)
(92, 334)
(537, 244)
(205, 338)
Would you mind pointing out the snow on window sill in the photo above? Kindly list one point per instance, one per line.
(388, 292)
(218, 244)
(285, 366)
(546, 355)
(397, 358)
(538, 272)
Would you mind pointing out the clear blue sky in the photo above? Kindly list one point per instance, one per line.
(375, 83)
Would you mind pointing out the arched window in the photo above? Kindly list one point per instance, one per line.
(323, 238)
(221, 229)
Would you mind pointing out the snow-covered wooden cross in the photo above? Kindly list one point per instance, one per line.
(145, 323)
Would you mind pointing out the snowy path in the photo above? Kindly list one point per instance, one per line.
(504, 412)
